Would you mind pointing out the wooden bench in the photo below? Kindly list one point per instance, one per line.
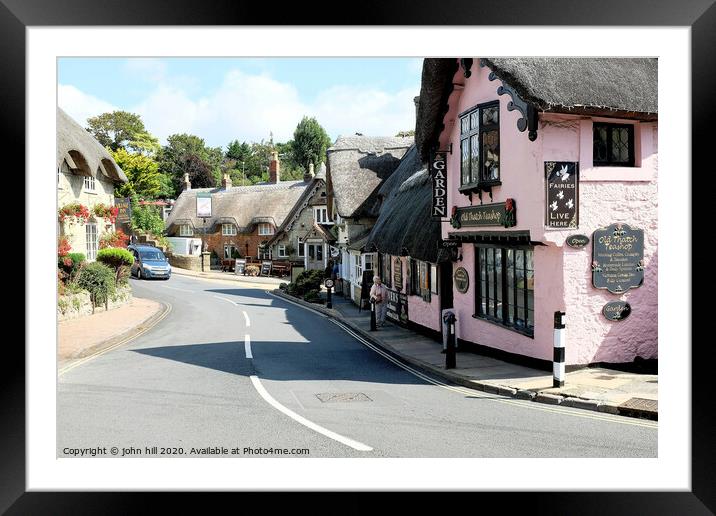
(281, 268)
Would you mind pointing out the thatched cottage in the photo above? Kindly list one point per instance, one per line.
(244, 218)
(552, 168)
(406, 237)
(86, 176)
(305, 236)
(356, 168)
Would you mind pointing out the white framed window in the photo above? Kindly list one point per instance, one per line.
(301, 248)
(229, 251)
(282, 251)
(265, 228)
(357, 270)
(321, 215)
(369, 260)
(264, 254)
(90, 183)
(186, 230)
(91, 241)
(228, 230)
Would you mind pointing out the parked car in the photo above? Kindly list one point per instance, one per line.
(149, 262)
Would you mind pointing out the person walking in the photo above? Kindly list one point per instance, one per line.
(379, 294)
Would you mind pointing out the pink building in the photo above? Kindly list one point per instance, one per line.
(552, 198)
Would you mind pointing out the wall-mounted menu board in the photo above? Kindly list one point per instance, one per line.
(618, 258)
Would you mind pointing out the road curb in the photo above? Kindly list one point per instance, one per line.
(116, 341)
(233, 278)
(503, 390)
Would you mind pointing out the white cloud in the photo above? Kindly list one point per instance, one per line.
(80, 105)
(249, 107)
(146, 68)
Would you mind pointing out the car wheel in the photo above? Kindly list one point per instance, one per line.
(139, 273)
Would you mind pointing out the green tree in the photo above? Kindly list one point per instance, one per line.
(144, 178)
(118, 129)
(199, 173)
(146, 218)
(309, 144)
(172, 157)
(238, 151)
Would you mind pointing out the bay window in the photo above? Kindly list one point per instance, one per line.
(480, 146)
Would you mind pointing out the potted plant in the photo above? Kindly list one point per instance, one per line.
(74, 212)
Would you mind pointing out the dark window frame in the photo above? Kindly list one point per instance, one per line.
(507, 308)
(466, 137)
(631, 162)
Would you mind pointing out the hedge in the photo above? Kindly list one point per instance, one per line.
(99, 280)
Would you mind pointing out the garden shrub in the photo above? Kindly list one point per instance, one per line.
(313, 296)
(70, 264)
(306, 282)
(282, 286)
(119, 259)
(99, 280)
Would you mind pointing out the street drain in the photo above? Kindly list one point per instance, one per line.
(640, 404)
(342, 397)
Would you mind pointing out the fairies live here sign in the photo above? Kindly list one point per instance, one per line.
(562, 182)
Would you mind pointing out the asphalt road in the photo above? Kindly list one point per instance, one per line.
(240, 369)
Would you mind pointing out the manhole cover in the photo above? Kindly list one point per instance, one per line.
(640, 404)
(342, 397)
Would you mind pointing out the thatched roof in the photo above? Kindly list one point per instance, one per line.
(244, 206)
(618, 87)
(405, 224)
(357, 165)
(295, 211)
(83, 153)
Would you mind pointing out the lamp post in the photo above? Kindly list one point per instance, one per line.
(243, 175)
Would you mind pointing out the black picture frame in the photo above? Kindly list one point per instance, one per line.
(699, 15)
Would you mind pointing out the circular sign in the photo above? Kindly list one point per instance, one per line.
(462, 280)
(577, 241)
(329, 283)
(616, 310)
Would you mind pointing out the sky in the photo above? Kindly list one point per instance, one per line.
(246, 99)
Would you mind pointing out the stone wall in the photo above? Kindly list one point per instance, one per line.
(72, 306)
(185, 261)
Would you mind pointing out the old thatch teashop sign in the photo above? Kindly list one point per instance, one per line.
(618, 258)
(497, 214)
(397, 309)
(439, 177)
(562, 182)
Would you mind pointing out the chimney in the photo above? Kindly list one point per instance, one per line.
(226, 181)
(187, 183)
(310, 174)
(274, 168)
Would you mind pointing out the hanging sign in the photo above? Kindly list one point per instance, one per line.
(124, 206)
(497, 214)
(397, 309)
(203, 204)
(398, 274)
(577, 241)
(562, 183)
(618, 258)
(438, 173)
(462, 280)
(449, 244)
(616, 310)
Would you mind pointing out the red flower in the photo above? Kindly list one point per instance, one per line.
(63, 246)
(508, 204)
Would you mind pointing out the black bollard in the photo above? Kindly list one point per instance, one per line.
(450, 359)
(329, 300)
(373, 327)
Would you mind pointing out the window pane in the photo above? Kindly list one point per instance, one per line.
(510, 286)
(475, 157)
(491, 154)
(482, 263)
(490, 115)
(464, 125)
(311, 252)
(319, 252)
(474, 119)
(498, 285)
(465, 162)
(620, 144)
(600, 143)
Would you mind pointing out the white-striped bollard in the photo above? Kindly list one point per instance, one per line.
(558, 362)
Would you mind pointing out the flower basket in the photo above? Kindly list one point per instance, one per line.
(74, 213)
(104, 211)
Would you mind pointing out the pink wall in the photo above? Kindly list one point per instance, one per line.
(420, 312)
(562, 274)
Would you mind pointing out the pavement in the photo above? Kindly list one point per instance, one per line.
(93, 334)
(598, 389)
(267, 282)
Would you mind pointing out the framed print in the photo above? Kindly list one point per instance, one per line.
(150, 413)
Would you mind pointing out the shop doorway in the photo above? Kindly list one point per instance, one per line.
(315, 258)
